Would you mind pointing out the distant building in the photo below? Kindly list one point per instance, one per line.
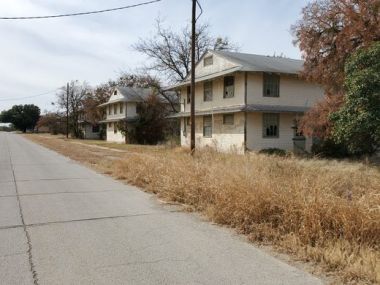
(247, 102)
(123, 107)
(90, 130)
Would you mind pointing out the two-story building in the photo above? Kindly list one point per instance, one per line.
(247, 102)
(122, 106)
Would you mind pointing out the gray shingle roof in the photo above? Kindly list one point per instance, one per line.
(254, 62)
(135, 94)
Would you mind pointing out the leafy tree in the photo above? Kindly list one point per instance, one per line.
(328, 33)
(170, 52)
(77, 93)
(22, 117)
(357, 123)
(149, 126)
(55, 122)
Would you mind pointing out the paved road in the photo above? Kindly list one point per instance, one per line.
(61, 223)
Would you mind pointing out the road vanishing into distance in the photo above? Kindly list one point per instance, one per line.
(62, 223)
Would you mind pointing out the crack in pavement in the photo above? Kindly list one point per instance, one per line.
(27, 235)
(144, 262)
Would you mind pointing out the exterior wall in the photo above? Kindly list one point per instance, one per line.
(219, 64)
(111, 136)
(224, 137)
(256, 141)
(116, 115)
(217, 96)
(129, 111)
(88, 134)
(293, 91)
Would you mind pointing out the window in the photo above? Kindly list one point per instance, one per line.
(271, 85)
(114, 128)
(95, 129)
(208, 61)
(188, 94)
(114, 109)
(109, 109)
(207, 126)
(188, 121)
(109, 125)
(271, 122)
(115, 92)
(229, 86)
(228, 119)
(121, 108)
(207, 91)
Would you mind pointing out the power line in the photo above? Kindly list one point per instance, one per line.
(28, 97)
(80, 13)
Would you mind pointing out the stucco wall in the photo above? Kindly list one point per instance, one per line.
(111, 136)
(217, 96)
(293, 91)
(224, 137)
(219, 64)
(256, 141)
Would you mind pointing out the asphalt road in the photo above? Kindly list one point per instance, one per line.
(61, 223)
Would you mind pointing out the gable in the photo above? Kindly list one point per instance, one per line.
(219, 64)
(117, 96)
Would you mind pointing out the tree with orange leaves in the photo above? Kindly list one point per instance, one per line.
(328, 33)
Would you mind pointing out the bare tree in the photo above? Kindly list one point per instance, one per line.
(170, 52)
(75, 98)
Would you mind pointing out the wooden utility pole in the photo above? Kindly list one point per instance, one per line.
(192, 88)
(67, 110)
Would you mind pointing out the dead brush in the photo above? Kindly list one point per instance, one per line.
(327, 212)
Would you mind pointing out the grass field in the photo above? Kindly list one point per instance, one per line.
(321, 211)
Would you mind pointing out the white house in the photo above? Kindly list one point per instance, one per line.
(122, 106)
(247, 102)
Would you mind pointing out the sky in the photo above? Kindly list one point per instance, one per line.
(39, 56)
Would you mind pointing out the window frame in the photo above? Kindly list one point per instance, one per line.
(265, 125)
(115, 109)
(121, 108)
(229, 123)
(209, 89)
(270, 80)
(209, 125)
(95, 129)
(225, 86)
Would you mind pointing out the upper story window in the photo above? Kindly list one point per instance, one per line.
(229, 87)
(115, 92)
(209, 60)
(121, 108)
(271, 85)
(271, 124)
(188, 94)
(109, 109)
(114, 109)
(207, 91)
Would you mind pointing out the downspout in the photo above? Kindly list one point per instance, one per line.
(245, 112)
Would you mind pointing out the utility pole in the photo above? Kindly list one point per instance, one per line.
(192, 88)
(67, 110)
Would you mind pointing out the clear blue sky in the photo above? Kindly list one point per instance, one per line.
(41, 55)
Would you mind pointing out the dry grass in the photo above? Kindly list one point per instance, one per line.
(327, 212)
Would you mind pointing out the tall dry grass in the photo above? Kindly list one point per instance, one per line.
(323, 211)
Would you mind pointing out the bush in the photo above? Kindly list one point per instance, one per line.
(329, 149)
(273, 151)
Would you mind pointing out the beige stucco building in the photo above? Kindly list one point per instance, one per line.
(122, 106)
(247, 102)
